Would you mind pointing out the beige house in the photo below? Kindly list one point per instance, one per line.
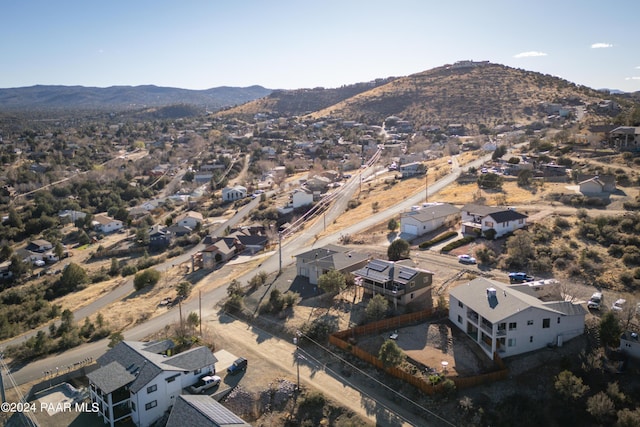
(428, 218)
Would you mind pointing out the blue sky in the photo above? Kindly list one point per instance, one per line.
(295, 44)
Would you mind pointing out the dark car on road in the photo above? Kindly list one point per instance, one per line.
(520, 278)
(240, 364)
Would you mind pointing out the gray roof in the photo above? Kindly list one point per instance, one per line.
(427, 213)
(111, 377)
(332, 257)
(141, 362)
(191, 360)
(507, 302)
(202, 411)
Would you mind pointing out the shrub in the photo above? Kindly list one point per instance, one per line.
(234, 303)
(457, 243)
(128, 270)
(438, 239)
(146, 278)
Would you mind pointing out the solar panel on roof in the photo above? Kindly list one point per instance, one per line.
(406, 274)
(377, 266)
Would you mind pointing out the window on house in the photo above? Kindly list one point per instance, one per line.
(531, 339)
(133, 406)
(151, 405)
(152, 388)
(411, 295)
(459, 319)
(546, 323)
(412, 284)
(558, 320)
(197, 371)
(511, 342)
(513, 326)
(488, 223)
(529, 322)
(460, 304)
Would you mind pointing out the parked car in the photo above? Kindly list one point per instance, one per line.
(466, 259)
(204, 383)
(595, 301)
(38, 263)
(520, 277)
(618, 305)
(239, 365)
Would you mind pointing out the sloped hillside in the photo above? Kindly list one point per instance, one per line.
(488, 94)
(301, 101)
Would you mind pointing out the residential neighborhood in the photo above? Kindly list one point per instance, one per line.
(249, 266)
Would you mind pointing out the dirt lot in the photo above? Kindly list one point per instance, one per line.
(433, 343)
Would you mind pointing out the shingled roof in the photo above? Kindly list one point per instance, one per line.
(139, 362)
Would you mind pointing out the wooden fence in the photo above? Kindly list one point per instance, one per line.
(340, 340)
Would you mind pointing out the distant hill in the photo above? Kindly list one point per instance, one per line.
(124, 97)
(303, 101)
(467, 93)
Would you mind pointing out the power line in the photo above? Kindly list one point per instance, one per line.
(30, 417)
(362, 372)
(381, 383)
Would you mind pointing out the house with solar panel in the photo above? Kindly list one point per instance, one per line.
(141, 380)
(514, 319)
(202, 411)
(314, 263)
(397, 282)
(477, 219)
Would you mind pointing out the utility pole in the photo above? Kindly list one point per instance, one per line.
(200, 310)
(426, 185)
(279, 252)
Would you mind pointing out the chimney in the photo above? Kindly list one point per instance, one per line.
(491, 293)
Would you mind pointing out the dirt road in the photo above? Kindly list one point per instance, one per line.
(272, 356)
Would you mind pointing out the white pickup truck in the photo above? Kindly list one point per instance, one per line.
(205, 383)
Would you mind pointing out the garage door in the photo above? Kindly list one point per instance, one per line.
(410, 229)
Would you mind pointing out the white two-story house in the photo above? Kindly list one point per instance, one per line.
(142, 380)
(510, 320)
(476, 219)
(105, 224)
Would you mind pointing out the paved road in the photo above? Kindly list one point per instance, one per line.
(126, 287)
(34, 370)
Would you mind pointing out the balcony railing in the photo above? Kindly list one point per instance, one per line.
(393, 291)
(487, 329)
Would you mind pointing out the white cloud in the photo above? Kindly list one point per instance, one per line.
(638, 67)
(601, 45)
(529, 54)
(633, 78)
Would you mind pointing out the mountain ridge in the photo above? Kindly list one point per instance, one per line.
(51, 97)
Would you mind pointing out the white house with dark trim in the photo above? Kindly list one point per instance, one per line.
(428, 218)
(189, 219)
(105, 224)
(510, 320)
(142, 380)
(229, 194)
(476, 219)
